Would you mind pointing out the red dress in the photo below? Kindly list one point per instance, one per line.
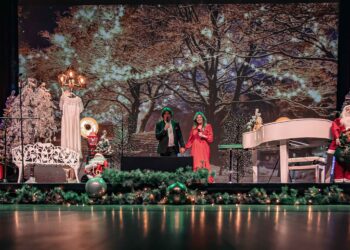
(200, 147)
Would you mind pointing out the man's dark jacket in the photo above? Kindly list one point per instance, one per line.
(162, 136)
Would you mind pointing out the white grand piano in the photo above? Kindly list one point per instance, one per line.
(280, 134)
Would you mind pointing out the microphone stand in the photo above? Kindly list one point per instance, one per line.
(5, 151)
(21, 128)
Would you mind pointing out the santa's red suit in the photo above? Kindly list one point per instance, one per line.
(336, 129)
(340, 125)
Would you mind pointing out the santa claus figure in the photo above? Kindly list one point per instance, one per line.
(340, 126)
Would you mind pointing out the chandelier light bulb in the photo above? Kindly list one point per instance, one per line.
(71, 73)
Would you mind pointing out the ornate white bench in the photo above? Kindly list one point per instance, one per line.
(45, 154)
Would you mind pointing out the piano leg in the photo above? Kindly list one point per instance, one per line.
(255, 165)
(284, 161)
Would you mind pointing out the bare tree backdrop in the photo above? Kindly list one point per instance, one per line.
(219, 59)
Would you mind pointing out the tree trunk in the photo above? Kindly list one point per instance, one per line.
(135, 108)
(132, 123)
(214, 120)
(146, 117)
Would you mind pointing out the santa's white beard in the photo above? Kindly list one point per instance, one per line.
(346, 122)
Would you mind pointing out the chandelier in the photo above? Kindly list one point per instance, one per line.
(71, 79)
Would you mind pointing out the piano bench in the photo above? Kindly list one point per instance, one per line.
(316, 163)
(314, 159)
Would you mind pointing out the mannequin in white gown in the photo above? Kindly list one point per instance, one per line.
(71, 106)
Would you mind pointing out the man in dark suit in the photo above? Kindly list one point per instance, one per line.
(169, 135)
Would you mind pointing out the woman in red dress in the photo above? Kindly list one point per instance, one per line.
(201, 136)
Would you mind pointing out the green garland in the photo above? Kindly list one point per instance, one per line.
(163, 195)
(137, 178)
(149, 187)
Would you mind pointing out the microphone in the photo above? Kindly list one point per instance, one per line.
(199, 132)
(167, 120)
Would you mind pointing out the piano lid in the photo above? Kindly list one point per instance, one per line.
(292, 129)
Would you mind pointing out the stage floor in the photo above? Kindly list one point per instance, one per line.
(174, 227)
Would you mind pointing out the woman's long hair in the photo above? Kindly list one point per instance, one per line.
(195, 124)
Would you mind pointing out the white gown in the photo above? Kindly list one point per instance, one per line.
(70, 133)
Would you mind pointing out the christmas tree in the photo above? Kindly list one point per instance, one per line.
(233, 130)
(45, 127)
(38, 116)
(3, 124)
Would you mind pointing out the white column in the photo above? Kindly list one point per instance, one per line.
(284, 161)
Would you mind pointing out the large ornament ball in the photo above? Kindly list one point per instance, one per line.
(96, 187)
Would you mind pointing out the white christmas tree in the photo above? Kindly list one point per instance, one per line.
(4, 122)
(45, 127)
(38, 116)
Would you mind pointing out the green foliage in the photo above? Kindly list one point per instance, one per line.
(55, 196)
(335, 195)
(224, 199)
(29, 194)
(117, 199)
(201, 201)
(130, 198)
(137, 178)
(177, 193)
(85, 199)
(71, 197)
(286, 197)
(151, 196)
(4, 197)
(258, 195)
(331, 195)
(196, 197)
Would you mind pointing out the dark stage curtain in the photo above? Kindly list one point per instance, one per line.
(343, 53)
(8, 49)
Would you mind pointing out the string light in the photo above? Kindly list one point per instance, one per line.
(124, 74)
